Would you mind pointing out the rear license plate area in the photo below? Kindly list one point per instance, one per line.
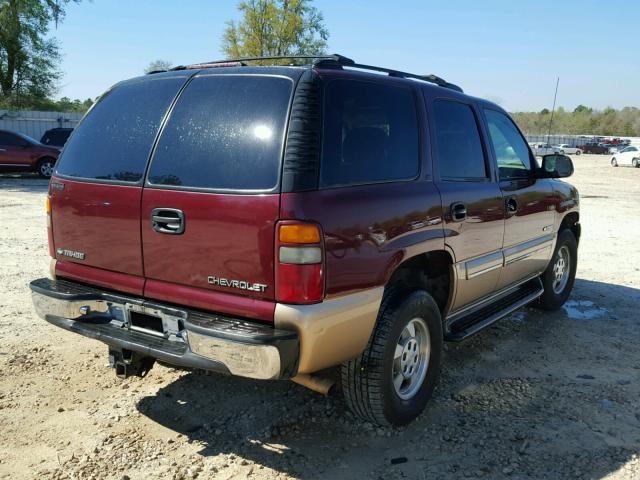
(145, 323)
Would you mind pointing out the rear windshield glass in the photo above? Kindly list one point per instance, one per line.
(225, 133)
(114, 140)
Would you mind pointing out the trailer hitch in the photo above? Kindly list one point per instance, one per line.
(128, 363)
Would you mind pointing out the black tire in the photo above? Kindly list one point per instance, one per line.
(552, 299)
(367, 380)
(635, 162)
(578, 152)
(614, 162)
(45, 167)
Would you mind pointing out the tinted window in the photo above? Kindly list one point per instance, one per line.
(114, 140)
(512, 153)
(460, 155)
(9, 139)
(225, 132)
(370, 134)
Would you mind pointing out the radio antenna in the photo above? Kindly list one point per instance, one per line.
(553, 110)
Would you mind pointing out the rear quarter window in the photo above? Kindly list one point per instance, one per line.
(370, 134)
(114, 140)
(226, 132)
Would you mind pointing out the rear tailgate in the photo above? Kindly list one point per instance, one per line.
(216, 171)
(96, 191)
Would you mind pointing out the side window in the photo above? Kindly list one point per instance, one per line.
(9, 140)
(459, 149)
(370, 134)
(512, 154)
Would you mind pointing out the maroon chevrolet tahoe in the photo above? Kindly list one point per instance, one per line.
(277, 222)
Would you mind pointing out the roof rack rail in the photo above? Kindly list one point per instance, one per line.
(332, 61)
(242, 61)
(337, 61)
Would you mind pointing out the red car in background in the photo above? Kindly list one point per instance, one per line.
(22, 153)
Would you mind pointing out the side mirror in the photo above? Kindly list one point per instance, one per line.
(556, 166)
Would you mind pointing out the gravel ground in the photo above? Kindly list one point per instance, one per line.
(539, 395)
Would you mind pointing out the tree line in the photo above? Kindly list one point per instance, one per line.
(582, 121)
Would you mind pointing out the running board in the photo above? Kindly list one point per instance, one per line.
(470, 322)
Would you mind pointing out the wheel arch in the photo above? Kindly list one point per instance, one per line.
(42, 158)
(430, 271)
(571, 221)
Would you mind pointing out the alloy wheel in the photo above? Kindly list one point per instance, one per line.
(46, 169)
(561, 268)
(411, 358)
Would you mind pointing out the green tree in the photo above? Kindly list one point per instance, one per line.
(157, 66)
(28, 58)
(582, 109)
(275, 27)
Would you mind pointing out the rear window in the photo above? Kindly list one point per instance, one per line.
(226, 132)
(370, 134)
(114, 140)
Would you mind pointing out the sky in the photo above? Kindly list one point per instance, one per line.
(510, 52)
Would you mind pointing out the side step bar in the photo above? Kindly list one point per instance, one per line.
(470, 322)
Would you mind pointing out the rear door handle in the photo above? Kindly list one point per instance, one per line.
(168, 220)
(458, 211)
(512, 206)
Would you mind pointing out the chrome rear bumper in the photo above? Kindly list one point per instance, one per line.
(180, 337)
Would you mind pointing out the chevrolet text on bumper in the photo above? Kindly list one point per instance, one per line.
(138, 331)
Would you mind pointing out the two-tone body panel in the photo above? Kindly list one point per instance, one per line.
(181, 230)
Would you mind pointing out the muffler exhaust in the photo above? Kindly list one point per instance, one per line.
(317, 383)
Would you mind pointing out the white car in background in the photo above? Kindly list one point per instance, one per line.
(627, 156)
(541, 149)
(567, 149)
(617, 148)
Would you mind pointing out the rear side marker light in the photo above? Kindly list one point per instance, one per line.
(299, 233)
(47, 207)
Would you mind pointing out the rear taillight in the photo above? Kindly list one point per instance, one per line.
(47, 206)
(299, 262)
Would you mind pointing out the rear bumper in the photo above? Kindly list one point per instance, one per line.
(189, 338)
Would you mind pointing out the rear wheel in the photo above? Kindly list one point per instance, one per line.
(635, 162)
(391, 382)
(560, 274)
(578, 152)
(614, 162)
(45, 167)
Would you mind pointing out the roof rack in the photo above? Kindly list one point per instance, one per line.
(242, 61)
(327, 61)
(340, 61)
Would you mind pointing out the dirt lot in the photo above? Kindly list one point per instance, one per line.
(539, 395)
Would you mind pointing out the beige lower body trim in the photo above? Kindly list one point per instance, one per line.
(333, 331)
(52, 268)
